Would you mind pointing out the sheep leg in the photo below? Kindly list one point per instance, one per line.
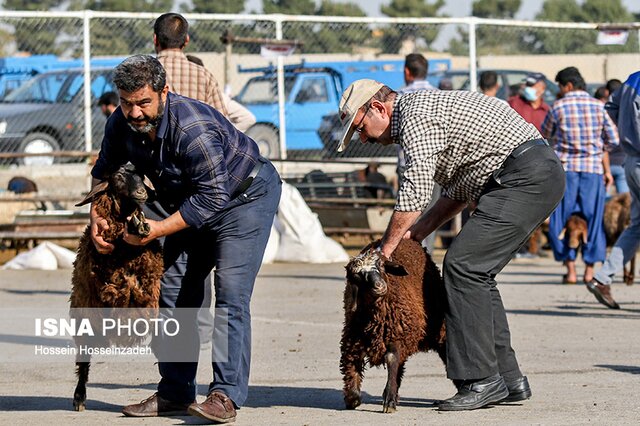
(629, 274)
(390, 394)
(352, 368)
(80, 394)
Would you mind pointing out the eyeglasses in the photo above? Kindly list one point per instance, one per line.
(360, 126)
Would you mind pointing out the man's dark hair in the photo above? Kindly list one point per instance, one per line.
(171, 31)
(109, 98)
(417, 65)
(137, 71)
(613, 85)
(488, 79)
(601, 93)
(573, 76)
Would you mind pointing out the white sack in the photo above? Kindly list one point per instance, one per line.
(46, 256)
(301, 236)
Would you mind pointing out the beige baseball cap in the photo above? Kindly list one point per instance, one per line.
(357, 94)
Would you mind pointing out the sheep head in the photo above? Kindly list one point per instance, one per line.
(366, 274)
(576, 228)
(129, 191)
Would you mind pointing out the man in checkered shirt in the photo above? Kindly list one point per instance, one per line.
(482, 151)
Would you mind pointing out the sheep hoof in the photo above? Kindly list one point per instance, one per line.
(352, 400)
(389, 408)
(78, 406)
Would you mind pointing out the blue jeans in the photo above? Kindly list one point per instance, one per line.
(627, 243)
(233, 243)
(619, 178)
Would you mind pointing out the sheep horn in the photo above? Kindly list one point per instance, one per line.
(95, 191)
(147, 182)
(561, 234)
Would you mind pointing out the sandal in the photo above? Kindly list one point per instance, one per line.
(565, 280)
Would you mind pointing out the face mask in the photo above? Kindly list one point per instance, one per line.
(530, 94)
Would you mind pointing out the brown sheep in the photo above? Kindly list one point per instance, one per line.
(392, 310)
(617, 216)
(576, 228)
(129, 276)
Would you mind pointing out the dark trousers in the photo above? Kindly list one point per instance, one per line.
(234, 244)
(517, 199)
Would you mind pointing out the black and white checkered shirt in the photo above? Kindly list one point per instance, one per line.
(455, 138)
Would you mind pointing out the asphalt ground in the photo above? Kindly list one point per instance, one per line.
(582, 359)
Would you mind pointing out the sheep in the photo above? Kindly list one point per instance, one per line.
(617, 216)
(392, 310)
(576, 228)
(127, 277)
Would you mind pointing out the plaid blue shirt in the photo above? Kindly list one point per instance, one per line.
(579, 128)
(196, 162)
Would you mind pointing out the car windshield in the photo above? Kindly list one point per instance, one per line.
(264, 91)
(44, 88)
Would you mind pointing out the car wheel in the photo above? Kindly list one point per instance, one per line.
(267, 139)
(36, 143)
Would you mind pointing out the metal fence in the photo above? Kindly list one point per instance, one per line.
(295, 97)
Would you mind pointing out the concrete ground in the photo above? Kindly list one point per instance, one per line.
(582, 359)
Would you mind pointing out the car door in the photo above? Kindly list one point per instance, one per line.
(311, 100)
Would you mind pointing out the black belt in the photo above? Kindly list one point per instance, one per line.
(522, 148)
(246, 183)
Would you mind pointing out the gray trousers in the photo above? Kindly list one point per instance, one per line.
(516, 200)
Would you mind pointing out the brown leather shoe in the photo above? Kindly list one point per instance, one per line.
(602, 293)
(155, 406)
(217, 407)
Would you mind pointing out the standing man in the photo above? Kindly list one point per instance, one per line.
(624, 109)
(581, 131)
(108, 103)
(529, 103)
(216, 199)
(479, 150)
(488, 83)
(416, 68)
(170, 37)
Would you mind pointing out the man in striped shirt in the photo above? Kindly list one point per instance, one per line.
(479, 150)
(580, 131)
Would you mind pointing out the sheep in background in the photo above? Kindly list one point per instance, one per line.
(576, 229)
(392, 310)
(127, 277)
(617, 216)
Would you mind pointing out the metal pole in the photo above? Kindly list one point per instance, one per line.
(281, 94)
(473, 64)
(86, 20)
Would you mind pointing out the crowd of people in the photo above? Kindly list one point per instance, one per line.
(515, 163)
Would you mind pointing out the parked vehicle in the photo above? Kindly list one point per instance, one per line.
(312, 91)
(46, 114)
(510, 82)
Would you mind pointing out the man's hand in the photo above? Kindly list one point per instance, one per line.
(98, 226)
(136, 240)
(608, 179)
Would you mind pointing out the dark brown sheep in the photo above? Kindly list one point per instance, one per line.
(128, 277)
(617, 216)
(392, 310)
(576, 230)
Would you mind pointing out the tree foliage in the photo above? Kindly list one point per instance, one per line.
(217, 6)
(289, 7)
(394, 35)
(579, 41)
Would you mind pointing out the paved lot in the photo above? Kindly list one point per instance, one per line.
(582, 359)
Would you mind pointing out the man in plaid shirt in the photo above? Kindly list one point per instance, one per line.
(479, 150)
(580, 130)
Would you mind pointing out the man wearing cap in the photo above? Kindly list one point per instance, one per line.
(529, 102)
(479, 150)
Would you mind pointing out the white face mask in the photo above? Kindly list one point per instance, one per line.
(530, 93)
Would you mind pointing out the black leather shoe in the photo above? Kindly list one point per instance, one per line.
(477, 394)
(519, 389)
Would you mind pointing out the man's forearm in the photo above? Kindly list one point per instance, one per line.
(398, 226)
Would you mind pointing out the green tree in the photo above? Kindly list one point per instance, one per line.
(37, 35)
(579, 41)
(217, 6)
(289, 7)
(394, 35)
(490, 39)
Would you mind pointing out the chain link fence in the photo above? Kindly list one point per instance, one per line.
(45, 109)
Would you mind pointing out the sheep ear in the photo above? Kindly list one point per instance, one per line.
(394, 268)
(353, 300)
(147, 182)
(561, 234)
(585, 237)
(95, 191)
